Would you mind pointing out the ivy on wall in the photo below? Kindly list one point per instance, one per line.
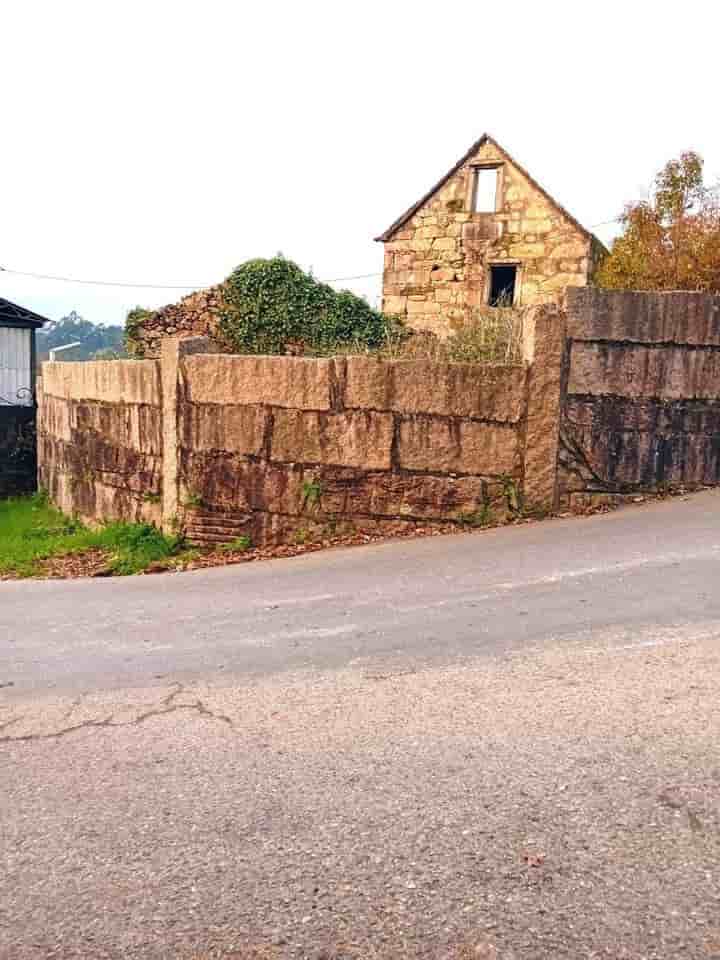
(266, 306)
(133, 322)
(274, 304)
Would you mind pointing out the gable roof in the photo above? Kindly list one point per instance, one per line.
(13, 315)
(485, 138)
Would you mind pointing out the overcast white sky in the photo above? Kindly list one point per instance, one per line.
(166, 141)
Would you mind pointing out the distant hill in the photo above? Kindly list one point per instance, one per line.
(97, 340)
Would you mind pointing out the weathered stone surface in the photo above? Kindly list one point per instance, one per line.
(448, 389)
(227, 427)
(643, 317)
(543, 407)
(55, 416)
(671, 372)
(457, 446)
(613, 460)
(90, 455)
(353, 439)
(421, 497)
(621, 414)
(173, 350)
(195, 315)
(95, 501)
(643, 405)
(131, 426)
(112, 381)
(446, 237)
(291, 382)
(274, 529)
(229, 480)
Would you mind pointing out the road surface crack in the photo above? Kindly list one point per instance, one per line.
(167, 706)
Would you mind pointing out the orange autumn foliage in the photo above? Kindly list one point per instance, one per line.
(672, 240)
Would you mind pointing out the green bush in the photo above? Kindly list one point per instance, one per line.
(134, 321)
(273, 305)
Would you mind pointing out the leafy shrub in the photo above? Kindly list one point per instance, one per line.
(133, 322)
(274, 305)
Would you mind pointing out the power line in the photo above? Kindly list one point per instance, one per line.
(105, 283)
(360, 276)
(149, 286)
(194, 286)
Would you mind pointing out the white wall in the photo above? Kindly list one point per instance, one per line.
(15, 366)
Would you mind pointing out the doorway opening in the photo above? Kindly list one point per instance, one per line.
(502, 285)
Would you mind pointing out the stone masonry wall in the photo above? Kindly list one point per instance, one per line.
(642, 398)
(289, 447)
(99, 440)
(196, 315)
(282, 448)
(619, 393)
(436, 264)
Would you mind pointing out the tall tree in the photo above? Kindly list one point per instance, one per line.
(672, 240)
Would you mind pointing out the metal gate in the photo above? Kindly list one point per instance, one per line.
(18, 444)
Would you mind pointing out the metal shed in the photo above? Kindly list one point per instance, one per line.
(17, 398)
(17, 354)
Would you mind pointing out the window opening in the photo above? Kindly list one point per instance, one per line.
(485, 192)
(502, 285)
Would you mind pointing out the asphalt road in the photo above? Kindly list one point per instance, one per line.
(507, 740)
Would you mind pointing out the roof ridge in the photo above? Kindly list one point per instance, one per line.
(485, 138)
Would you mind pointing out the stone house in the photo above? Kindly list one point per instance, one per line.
(486, 235)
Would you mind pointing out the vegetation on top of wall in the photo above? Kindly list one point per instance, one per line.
(133, 322)
(492, 335)
(672, 240)
(273, 306)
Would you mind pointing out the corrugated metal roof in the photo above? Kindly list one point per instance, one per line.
(13, 315)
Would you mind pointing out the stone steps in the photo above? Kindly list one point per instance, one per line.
(208, 539)
(217, 527)
(208, 527)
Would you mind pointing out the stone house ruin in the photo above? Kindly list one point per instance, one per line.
(486, 235)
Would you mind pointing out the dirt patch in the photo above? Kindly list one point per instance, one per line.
(91, 563)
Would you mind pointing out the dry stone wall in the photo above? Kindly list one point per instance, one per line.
(196, 315)
(642, 403)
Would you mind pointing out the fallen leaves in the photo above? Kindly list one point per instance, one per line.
(89, 563)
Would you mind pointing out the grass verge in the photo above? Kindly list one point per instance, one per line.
(33, 531)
